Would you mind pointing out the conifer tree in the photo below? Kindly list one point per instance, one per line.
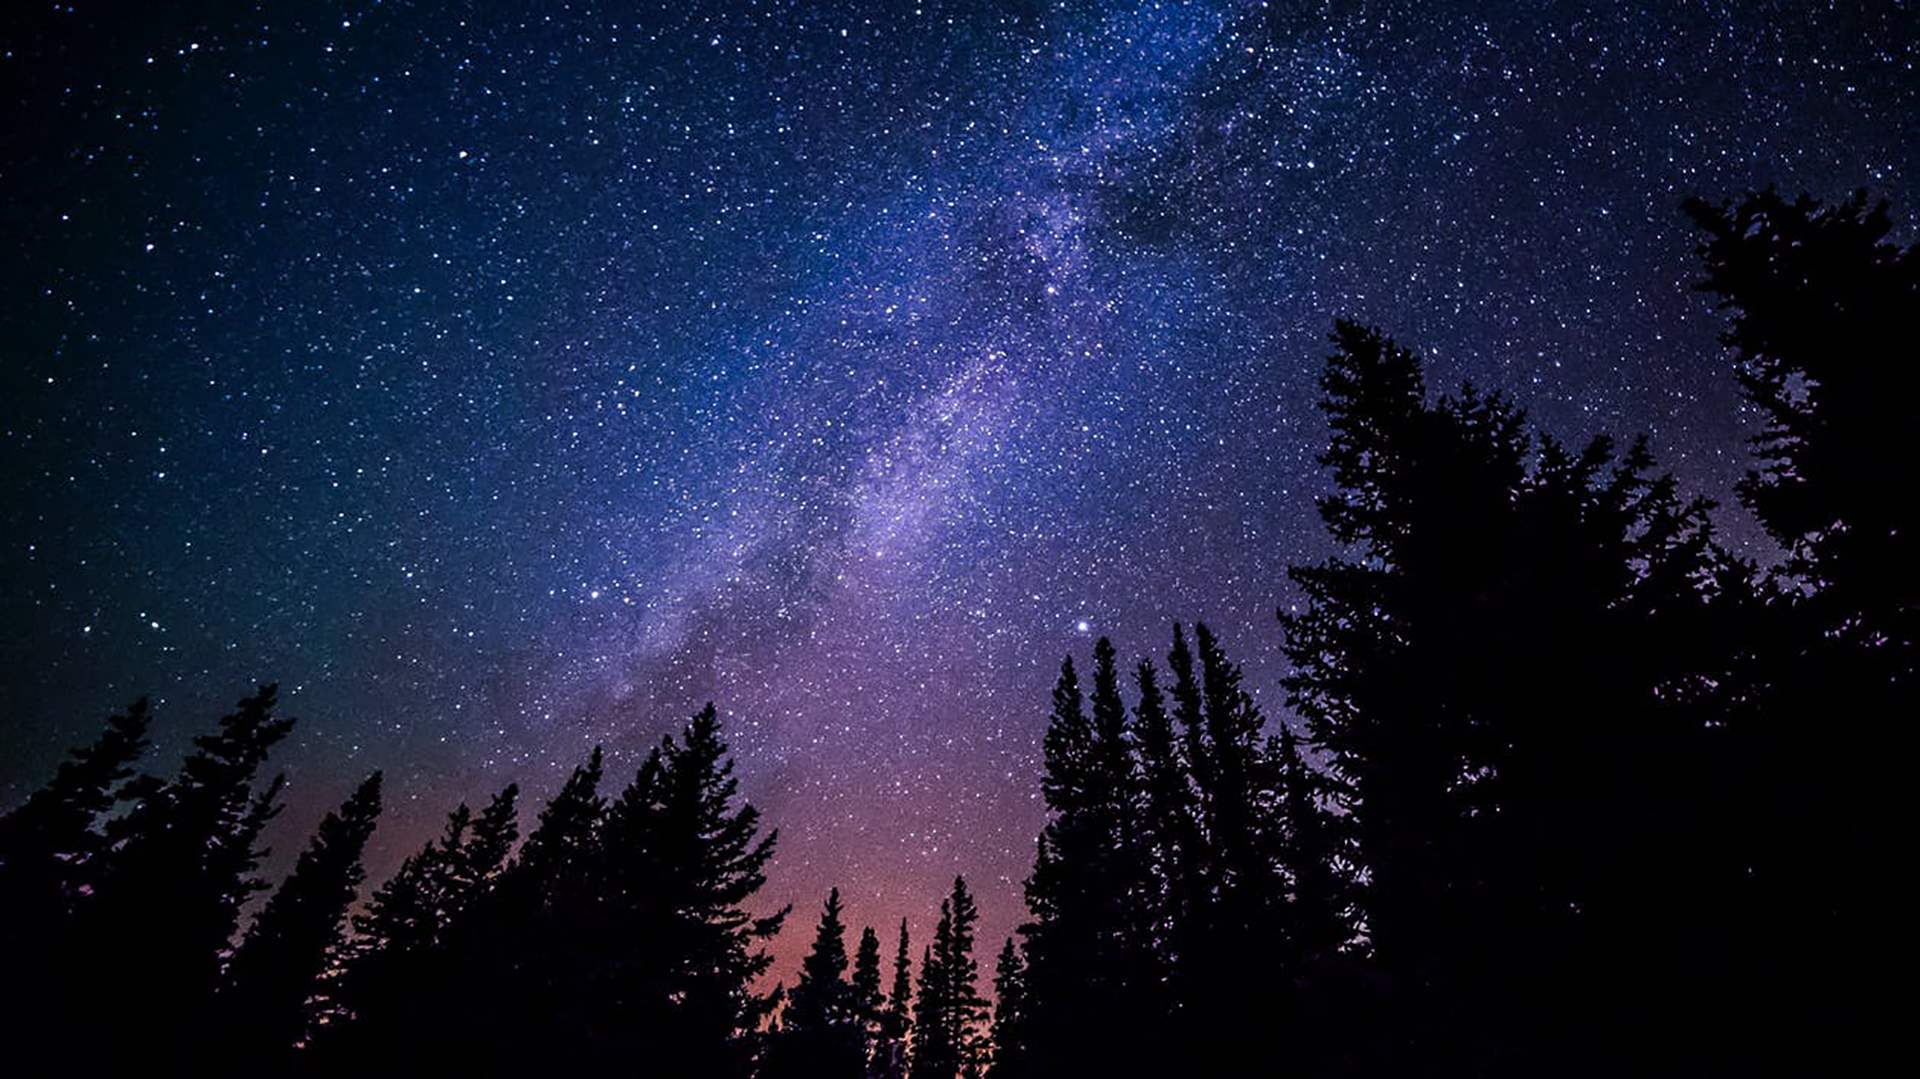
(485, 849)
(820, 1030)
(1170, 831)
(397, 974)
(1489, 572)
(1821, 300)
(947, 1036)
(50, 862)
(561, 847)
(819, 998)
(279, 963)
(1094, 899)
(1189, 715)
(183, 856)
(890, 1056)
(1189, 877)
(1238, 783)
(1010, 1058)
(689, 856)
(50, 842)
(934, 1054)
(410, 911)
(1231, 963)
(868, 1003)
(965, 1006)
(1394, 761)
(1820, 297)
(1317, 904)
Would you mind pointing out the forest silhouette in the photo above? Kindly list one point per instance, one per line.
(1566, 788)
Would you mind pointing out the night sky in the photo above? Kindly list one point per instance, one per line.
(507, 380)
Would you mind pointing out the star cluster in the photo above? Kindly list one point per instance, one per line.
(506, 380)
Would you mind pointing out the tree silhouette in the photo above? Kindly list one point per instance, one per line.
(180, 865)
(398, 979)
(1317, 917)
(1820, 300)
(821, 1029)
(1010, 1055)
(890, 1054)
(1507, 827)
(1170, 830)
(868, 1004)
(946, 1041)
(526, 956)
(1094, 964)
(691, 859)
(51, 852)
(299, 932)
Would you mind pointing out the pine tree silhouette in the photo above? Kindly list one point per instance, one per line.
(1010, 1058)
(869, 1005)
(1820, 299)
(821, 1028)
(890, 1055)
(690, 859)
(1317, 917)
(1820, 302)
(296, 936)
(525, 957)
(182, 857)
(1094, 966)
(398, 981)
(1170, 830)
(51, 852)
(1493, 570)
(933, 1055)
(1189, 714)
(946, 1041)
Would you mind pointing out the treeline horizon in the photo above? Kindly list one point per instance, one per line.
(1568, 788)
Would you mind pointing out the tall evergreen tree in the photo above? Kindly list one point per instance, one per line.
(397, 978)
(1490, 572)
(477, 860)
(1090, 943)
(868, 1004)
(1170, 830)
(1395, 760)
(1235, 978)
(181, 863)
(691, 857)
(299, 932)
(1189, 715)
(1010, 1058)
(933, 1056)
(1820, 298)
(947, 1037)
(51, 849)
(1191, 892)
(50, 843)
(821, 1028)
(1317, 914)
(1238, 784)
(890, 1055)
(820, 997)
(526, 956)
(561, 848)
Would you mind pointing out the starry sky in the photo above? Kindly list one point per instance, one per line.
(508, 379)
